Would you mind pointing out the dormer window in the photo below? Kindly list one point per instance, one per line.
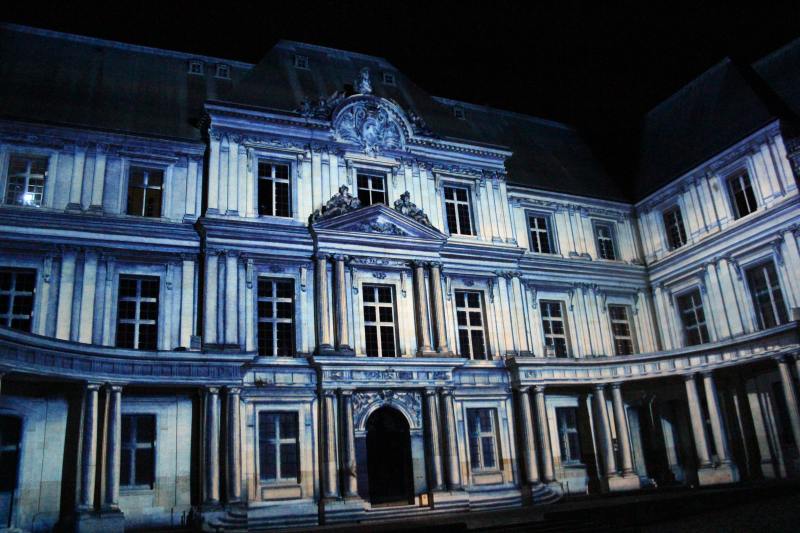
(223, 71)
(301, 62)
(458, 112)
(196, 68)
(388, 79)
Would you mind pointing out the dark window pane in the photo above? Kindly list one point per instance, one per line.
(285, 339)
(371, 338)
(387, 341)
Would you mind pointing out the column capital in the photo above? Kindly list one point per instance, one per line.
(689, 376)
(601, 387)
(417, 263)
(345, 392)
(708, 373)
(524, 389)
(616, 385)
(233, 391)
(329, 393)
(114, 388)
(434, 264)
(93, 386)
(323, 256)
(430, 391)
(539, 388)
(446, 391)
(340, 257)
(211, 390)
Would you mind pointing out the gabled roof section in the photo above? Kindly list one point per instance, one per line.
(781, 71)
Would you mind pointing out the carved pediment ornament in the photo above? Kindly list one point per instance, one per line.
(370, 123)
(408, 208)
(340, 203)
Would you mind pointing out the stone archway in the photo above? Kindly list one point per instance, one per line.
(389, 464)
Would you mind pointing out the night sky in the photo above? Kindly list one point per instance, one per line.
(596, 66)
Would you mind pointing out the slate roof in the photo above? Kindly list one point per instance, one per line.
(781, 70)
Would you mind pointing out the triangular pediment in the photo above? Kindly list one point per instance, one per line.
(378, 221)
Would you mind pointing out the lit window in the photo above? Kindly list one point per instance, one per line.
(673, 222)
(379, 324)
(568, 438)
(371, 189)
(388, 78)
(458, 112)
(275, 316)
(767, 296)
(196, 67)
(604, 237)
(278, 450)
(540, 234)
(301, 62)
(482, 439)
(145, 192)
(16, 298)
(742, 196)
(690, 306)
(223, 71)
(26, 178)
(137, 313)
(621, 329)
(469, 312)
(459, 219)
(554, 327)
(138, 456)
(274, 197)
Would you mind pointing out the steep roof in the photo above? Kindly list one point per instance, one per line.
(781, 70)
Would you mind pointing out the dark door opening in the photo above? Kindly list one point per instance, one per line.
(9, 464)
(389, 458)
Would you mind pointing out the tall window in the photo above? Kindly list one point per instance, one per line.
(469, 312)
(138, 458)
(10, 433)
(568, 438)
(742, 196)
(275, 316)
(673, 222)
(26, 177)
(482, 439)
(690, 306)
(278, 451)
(621, 329)
(273, 190)
(16, 298)
(456, 201)
(379, 325)
(541, 234)
(767, 295)
(604, 236)
(371, 189)
(137, 313)
(555, 331)
(145, 192)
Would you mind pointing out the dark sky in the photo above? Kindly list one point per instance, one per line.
(597, 65)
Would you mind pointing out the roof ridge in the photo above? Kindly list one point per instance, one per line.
(469, 105)
(286, 43)
(685, 88)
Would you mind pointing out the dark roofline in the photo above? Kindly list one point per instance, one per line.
(285, 44)
(516, 114)
(685, 88)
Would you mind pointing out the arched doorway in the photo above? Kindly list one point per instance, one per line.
(389, 458)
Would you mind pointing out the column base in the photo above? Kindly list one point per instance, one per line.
(623, 483)
(719, 475)
(427, 351)
(338, 510)
(344, 350)
(97, 209)
(107, 520)
(326, 349)
(453, 500)
(74, 207)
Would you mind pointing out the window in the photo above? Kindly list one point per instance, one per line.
(767, 295)
(16, 298)
(621, 329)
(196, 67)
(568, 438)
(742, 196)
(540, 233)
(676, 232)
(278, 450)
(482, 439)
(458, 112)
(459, 220)
(273, 190)
(301, 62)
(138, 457)
(555, 331)
(690, 306)
(144, 192)
(26, 177)
(137, 313)
(388, 78)
(604, 235)
(379, 326)
(469, 312)
(275, 316)
(10, 437)
(223, 71)
(371, 189)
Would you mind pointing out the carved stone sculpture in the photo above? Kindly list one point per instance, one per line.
(362, 83)
(339, 204)
(405, 206)
(370, 126)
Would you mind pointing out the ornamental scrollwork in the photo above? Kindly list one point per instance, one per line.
(365, 403)
(385, 228)
(369, 124)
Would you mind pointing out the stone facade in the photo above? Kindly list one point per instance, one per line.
(509, 345)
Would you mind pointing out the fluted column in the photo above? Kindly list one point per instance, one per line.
(89, 446)
(453, 468)
(232, 298)
(234, 446)
(438, 308)
(349, 473)
(434, 445)
(528, 445)
(421, 310)
(212, 446)
(604, 430)
(210, 298)
(342, 327)
(791, 399)
(76, 180)
(113, 447)
(324, 341)
(696, 415)
(66, 288)
(715, 417)
(548, 472)
(623, 434)
(330, 484)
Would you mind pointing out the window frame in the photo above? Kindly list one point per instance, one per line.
(222, 71)
(275, 320)
(279, 480)
(146, 166)
(563, 432)
(138, 301)
(289, 180)
(700, 326)
(596, 225)
(455, 202)
(492, 433)
(388, 78)
(549, 230)
(7, 319)
(567, 348)
(153, 445)
(29, 157)
(728, 181)
(629, 322)
(469, 328)
(301, 62)
(370, 175)
(778, 317)
(196, 62)
(679, 223)
(378, 323)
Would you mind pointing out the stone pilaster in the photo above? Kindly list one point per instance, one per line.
(232, 298)
(330, 474)
(211, 446)
(324, 340)
(437, 303)
(604, 432)
(342, 326)
(548, 472)
(349, 473)
(436, 478)
(791, 399)
(528, 444)
(113, 448)
(233, 448)
(698, 427)
(449, 419)
(211, 297)
(66, 290)
(89, 447)
(421, 310)
(623, 435)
